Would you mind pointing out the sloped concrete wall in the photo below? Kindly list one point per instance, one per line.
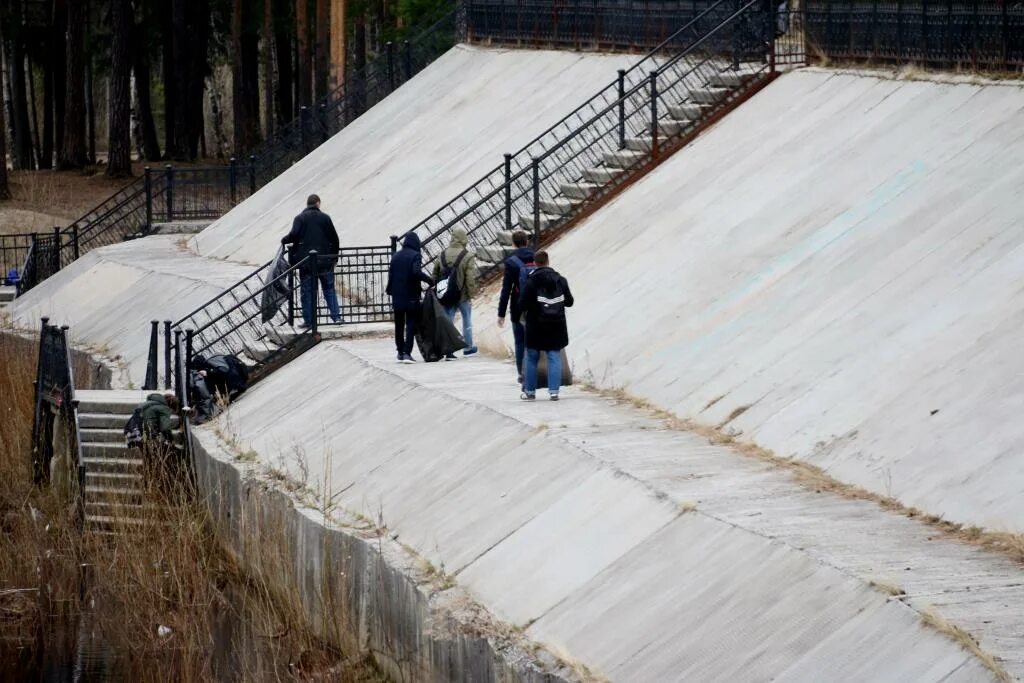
(833, 273)
(420, 147)
(593, 563)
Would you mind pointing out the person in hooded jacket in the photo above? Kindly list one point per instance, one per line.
(404, 277)
(544, 300)
(313, 230)
(467, 278)
(521, 258)
(157, 413)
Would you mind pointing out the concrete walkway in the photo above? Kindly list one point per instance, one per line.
(641, 551)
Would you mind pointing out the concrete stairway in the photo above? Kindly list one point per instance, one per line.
(115, 487)
(6, 296)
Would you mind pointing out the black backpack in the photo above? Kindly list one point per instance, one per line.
(448, 291)
(133, 428)
(551, 304)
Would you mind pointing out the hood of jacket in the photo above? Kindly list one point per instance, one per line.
(157, 398)
(412, 241)
(459, 239)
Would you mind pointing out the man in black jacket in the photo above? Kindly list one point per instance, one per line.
(545, 298)
(404, 277)
(313, 230)
(517, 267)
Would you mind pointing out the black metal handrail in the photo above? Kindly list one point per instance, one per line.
(13, 250)
(54, 400)
(535, 172)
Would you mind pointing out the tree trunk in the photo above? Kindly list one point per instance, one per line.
(58, 55)
(198, 39)
(244, 79)
(90, 88)
(46, 151)
(178, 123)
(143, 77)
(267, 60)
(23, 154)
(119, 146)
(322, 49)
(5, 192)
(338, 45)
(73, 150)
(285, 69)
(34, 114)
(304, 67)
(168, 73)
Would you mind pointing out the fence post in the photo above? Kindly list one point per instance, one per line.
(654, 115)
(152, 358)
(252, 174)
(55, 256)
(394, 244)
(391, 64)
(322, 116)
(37, 466)
(170, 192)
(233, 179)
(291, 297)
(508, 192)
(315, 294)
(179, 390)
(167, 354)
(74, 240)
(407, 59)
(189, 341)
(304, 129)
(148, 180)
(622, 108)
(535, 167)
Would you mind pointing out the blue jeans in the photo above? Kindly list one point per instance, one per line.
(330, 296)
(519, 333)
(554, 370)
(466, 309)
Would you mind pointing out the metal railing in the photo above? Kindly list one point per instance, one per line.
(715, 40)
(193, 193)
(360, 278)
(13, 250)
(45, 256)
(983, 34)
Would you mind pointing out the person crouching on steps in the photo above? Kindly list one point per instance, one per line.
(457, 260)
(545, 297)
(404, 277)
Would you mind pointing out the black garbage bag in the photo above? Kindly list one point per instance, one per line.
(225, 375)
(436, 336)
(276, 290)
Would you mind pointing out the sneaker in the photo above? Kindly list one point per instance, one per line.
(401, 357)
(336, 321)
(450, 356)
(526, 396)
(469, 351)
(408, 359)
(303, 326)
(554, 397)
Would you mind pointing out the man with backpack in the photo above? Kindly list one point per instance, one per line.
(457, 279)
(313, 230)
(518, 267)
(545, 297)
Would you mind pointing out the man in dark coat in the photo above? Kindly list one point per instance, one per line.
(404, 277)
(515, 270)
(313, 230)
(544, 300)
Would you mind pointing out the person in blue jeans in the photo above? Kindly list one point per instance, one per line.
(518, 266)
(458, 259)
(545, 297)
(313, 230)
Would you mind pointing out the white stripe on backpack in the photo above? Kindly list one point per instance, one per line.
(548, 302)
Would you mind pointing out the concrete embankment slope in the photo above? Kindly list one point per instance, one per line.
(832, 272)
(640, 552)
(420, 147)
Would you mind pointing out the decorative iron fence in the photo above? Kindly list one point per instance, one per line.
(983, 34)
(360, 278)
(45, 257)
(13, 252)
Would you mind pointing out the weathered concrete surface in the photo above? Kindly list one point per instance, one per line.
(832, 272)
(110, 295)
(421, 146)
(641, 553)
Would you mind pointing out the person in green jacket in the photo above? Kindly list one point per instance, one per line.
(467, 278)
(157, 414)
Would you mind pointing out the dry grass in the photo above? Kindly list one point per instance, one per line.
(173, 573)
(936, 621)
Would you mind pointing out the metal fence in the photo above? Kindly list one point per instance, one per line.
(46, 255)
(13, 251)
(360, 276)
(981, 34)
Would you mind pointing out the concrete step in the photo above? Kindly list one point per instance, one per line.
(546, 222)
(601, 174)
(624, 158)
(107, 435)
(121, 509)
(670, 127)
(128, 490)
(7, 294)
(580, 191)
(558, 206)
(110, 402)
(104, 523)
(130, 480)
(112, 465)
(729, 79)
(640, 144)
(687, 111)
(109, 421)
(708, 95)
(261, 350)
(493, 253)
(109, 450)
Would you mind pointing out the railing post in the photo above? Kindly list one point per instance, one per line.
(391, 64)
(654, 115)
(394, 244)
(322, 117)
(148, 181)
(179, 377)
(304, 129)
(291, 297)
(167, 354)
(37, 465)
(152, 357)
(252, 174)
(169, 170)
(407, 59)
(315, 294)
(190, 335)
(508, 192)
(55, 256)
(535, 168)
(74, 241)
(233, 180)
(622, 108)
